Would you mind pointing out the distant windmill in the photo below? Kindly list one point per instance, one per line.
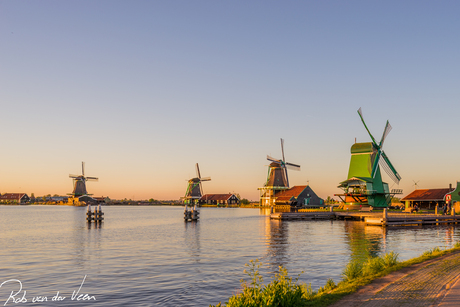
(194, 188)
(277, 179)
(79, 188)
(415, 184)
(278, 175)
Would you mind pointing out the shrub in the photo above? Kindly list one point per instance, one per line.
(372, 265)
(390, 259)
(281, 291)
(432, 252)
(352, 271)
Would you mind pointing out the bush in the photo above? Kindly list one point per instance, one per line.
(352, 271)
(432, 252)
(371, 266)
(390, 259)
(282, 291)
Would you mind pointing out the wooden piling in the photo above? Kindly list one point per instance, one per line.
(96, 216)
(385, 217)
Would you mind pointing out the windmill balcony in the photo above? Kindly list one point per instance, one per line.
(361, 192)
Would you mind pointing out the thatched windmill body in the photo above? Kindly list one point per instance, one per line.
(79, 185)
(277, 178)
(194, 188)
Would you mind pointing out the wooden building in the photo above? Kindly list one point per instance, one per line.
(426, 198)
(219, 199)
(299, 196)
(454, 195)
(18, 198)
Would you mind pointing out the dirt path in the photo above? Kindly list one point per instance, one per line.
(431, 283)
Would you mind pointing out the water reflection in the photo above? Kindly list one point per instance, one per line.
(449, 235)
(364, 241)
(92, 225)
(277, 240)
(192, 240)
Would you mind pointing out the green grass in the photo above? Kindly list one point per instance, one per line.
(284, 291)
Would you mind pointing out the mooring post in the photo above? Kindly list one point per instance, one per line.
(100, 213)
(331, 209)
(271, 210)
(186, 212)
(195, 213)
(385, 217)
(96, 214)
(89, 213)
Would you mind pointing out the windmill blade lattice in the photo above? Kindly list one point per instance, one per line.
(389, 168)
(198, 171)
(365, 126)
(385, 133)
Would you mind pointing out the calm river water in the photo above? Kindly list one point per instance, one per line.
(148, 256)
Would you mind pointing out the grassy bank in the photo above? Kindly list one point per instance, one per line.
(286, 291)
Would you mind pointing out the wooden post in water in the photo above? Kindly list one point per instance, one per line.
(186, 213)
(195, 214)
(89, 214)
(385, 217)
(99, 214)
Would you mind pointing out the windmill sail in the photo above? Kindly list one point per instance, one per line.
(365, 126)
(385, 133)
(389, 168)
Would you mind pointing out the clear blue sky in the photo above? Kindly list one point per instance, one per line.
(142, 90)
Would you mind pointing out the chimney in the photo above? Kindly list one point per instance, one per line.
(450, 186)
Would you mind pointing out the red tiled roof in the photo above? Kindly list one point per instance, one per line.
(427, 194)
(216, 196)
(286, 195)
(9, 196)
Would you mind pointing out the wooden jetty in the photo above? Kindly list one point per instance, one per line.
(302, 215)
(379, 218)
(405, 219)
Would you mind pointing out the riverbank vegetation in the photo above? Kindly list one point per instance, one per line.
(284, 291)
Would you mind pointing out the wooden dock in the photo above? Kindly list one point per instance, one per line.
(302, 215)
(413, 220)
(379, 218)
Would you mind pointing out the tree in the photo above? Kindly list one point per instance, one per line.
(245, 201)
(330, 200)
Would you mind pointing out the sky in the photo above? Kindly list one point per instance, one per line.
(143, 90)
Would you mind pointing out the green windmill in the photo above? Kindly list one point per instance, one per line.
(194, 189)
(364, 185)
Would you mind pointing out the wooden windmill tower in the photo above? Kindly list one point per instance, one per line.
(194, 188)
(277, 179)
(79, 185)
(364, 185)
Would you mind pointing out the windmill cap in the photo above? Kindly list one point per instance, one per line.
(362, 148)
